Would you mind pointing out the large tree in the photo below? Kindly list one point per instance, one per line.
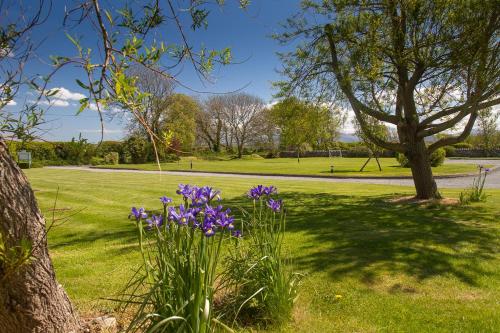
(424, 66)
(243, 115)
(31, 299)
(302, 123)
(211, 124)
(159, 90)
(488, 130)
(180, 120)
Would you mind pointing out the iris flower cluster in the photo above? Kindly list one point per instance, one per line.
(482, 168)
(265, 192)
(197, 211)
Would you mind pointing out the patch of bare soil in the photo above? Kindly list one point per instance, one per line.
(413, 200)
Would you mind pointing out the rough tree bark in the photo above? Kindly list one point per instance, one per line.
(425, 185)
(31, 300)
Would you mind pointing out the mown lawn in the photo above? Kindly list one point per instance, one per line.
(317, 166)
(398, 267)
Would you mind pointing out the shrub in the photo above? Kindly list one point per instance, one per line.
(97, 160)
(272, 154)
(169, 158)
(450, 151)
(40, 151)
(476, 192)
(74, 151)
(402, 160)
(11, 146)
(111, 158)
(138, 149)
(463, 145)
(436, 158)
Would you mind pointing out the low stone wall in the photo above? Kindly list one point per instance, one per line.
(325, 153)
(475, 153)
(458, 152)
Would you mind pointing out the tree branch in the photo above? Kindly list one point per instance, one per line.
(346, 87)
(456, 139)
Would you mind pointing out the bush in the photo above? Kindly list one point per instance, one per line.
(436, 159)
(11, 146)
(74, 151)
(402, 160)
(450, 151)
(111, 158)
(272, 154)
(138, 149)
(462, 145)
(169, 158)
(97, 160)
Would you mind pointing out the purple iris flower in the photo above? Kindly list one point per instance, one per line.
(270, 190)
(237, 234)
(275, 205)
(185, 190)
(225, 220)
(198, 197)
(138, 213)
(165, 200)
(195, 210)
(210, 193)
(154, 221)
(256, 192)
(208, 228)
(182, 217)
(487, 170)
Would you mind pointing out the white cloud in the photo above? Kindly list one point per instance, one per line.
(54, 102)
(271, 104)
(12, 102)
(65, 94)
(112, 110)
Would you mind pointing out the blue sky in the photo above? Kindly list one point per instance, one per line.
(246, 32)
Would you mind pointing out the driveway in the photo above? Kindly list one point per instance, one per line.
(492, 181)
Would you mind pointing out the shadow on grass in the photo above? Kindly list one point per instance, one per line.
(365, 236)
(358, 236)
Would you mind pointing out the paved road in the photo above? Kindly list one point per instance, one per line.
(493, 180)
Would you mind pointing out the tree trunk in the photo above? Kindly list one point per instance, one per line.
(421, 170)
(31, 300)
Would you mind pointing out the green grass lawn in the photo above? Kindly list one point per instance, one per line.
(398, 267)
(317, 166)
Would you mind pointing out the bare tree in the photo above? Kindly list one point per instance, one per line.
(211, 123)
(244, 116)
(158, 89)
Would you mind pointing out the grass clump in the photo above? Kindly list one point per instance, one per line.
(476, 192)
(262, 290)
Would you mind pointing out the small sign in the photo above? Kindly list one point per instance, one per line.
(24, 156)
